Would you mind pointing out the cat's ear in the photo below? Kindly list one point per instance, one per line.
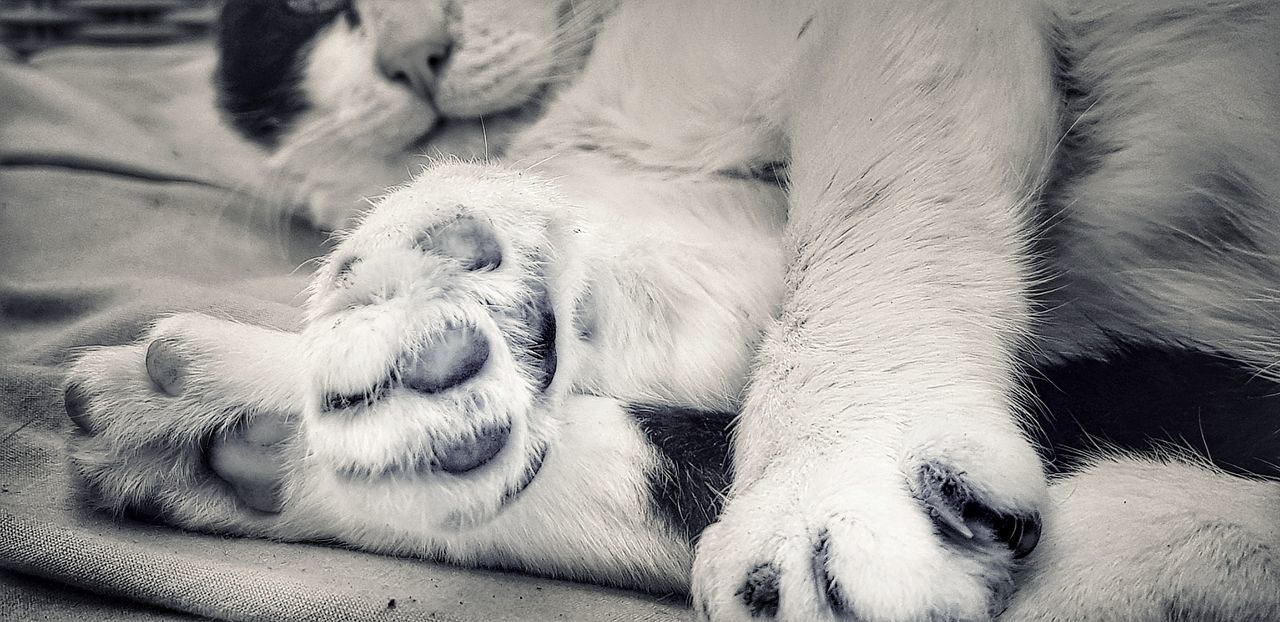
(314, 7)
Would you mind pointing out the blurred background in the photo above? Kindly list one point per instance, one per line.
(28, 26)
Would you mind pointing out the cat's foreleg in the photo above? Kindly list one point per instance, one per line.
(881, 470)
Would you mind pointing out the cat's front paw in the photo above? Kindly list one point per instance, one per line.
(434, 346)
(161, 421)
(838, 536)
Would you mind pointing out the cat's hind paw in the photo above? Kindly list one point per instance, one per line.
(435, 345)
(161, 420)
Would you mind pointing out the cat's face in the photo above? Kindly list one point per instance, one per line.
(429, 59)
(340, 90)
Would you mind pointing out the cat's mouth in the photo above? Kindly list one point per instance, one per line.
(434, 130)
(486, 135)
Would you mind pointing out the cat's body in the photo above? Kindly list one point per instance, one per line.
(934, 235)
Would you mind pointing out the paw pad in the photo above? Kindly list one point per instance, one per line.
(250, 458)
(165, 366)
(471, 243)
(449, 360)
(760, 590)
(471, 453)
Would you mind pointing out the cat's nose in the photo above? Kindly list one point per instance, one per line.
(416, 63)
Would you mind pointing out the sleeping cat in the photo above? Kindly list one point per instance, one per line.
(347, 100)
(520, 364)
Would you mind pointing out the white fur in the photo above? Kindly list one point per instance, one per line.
(1179, 542)
(362, 133)
(606, 533)
(1124, 540)
(1188, 137)
(897, 336)
(919, 136)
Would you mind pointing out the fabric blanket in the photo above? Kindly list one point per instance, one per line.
(122, 197)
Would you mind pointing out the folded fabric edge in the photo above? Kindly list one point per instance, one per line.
(107, 566)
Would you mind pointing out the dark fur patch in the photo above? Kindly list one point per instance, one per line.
(1192, 21)
(1143, 397)
(960, 514)
(687, 489)
(260, 54)
(1138, 398)
(1216, 220)
(1080, 150)
(759, 591)
(342, 274)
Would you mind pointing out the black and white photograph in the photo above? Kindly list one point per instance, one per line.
(640, 310)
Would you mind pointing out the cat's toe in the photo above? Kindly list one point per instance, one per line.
(252, 458)
(165, 365)
(759, 590)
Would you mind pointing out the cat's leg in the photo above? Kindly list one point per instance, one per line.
(432, 383)
(200, 425)
(1128, 539)
(445, 330)
(196, 425)
(881, 471)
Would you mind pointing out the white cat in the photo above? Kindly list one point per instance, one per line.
(519, 364)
